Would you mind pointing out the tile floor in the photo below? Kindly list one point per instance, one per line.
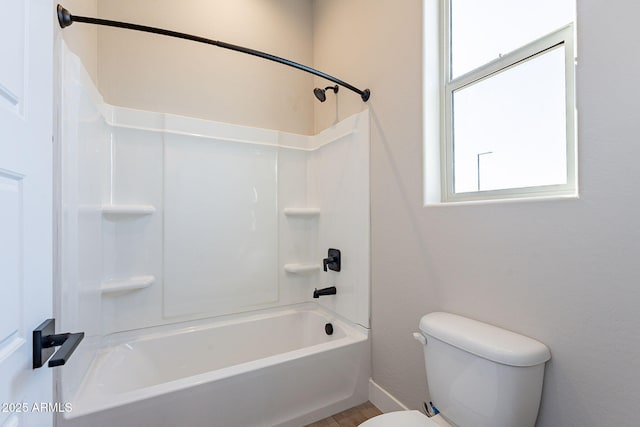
(349, 418)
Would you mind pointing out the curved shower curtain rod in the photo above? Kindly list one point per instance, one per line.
(65, 18)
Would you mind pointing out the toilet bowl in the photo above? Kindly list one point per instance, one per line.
(405, 419)
(478, 375)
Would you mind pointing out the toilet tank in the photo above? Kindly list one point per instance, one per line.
(480, 375)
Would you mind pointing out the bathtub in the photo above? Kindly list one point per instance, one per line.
(269, 368)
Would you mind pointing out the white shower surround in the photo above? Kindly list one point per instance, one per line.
(125, 264)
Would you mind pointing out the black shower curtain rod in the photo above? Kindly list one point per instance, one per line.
(65, 18)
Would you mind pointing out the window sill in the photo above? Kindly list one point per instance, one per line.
(503, 201)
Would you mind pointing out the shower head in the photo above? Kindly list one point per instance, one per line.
(321, 93)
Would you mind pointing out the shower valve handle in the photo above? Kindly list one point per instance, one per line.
(333, 260)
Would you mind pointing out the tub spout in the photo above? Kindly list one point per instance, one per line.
(317, 293)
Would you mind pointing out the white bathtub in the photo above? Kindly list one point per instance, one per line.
(271, 368)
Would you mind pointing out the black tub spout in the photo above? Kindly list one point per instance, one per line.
(317, 293)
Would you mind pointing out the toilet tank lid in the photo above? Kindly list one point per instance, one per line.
(484, 340)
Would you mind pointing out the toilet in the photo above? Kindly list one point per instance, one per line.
(478, 375)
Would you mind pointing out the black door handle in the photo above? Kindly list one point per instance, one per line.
(44, 341)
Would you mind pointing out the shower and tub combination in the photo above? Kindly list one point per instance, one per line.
(190, 255)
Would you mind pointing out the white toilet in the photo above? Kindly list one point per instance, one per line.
(478, 376)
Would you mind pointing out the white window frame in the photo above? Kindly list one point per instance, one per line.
(562, 37)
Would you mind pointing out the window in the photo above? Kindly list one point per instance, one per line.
(507, 110)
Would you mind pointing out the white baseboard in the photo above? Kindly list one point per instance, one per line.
(383, 400)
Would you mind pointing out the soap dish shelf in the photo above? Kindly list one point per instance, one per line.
(302, 268)
(127, 210)
(302, 212)
(134, 283)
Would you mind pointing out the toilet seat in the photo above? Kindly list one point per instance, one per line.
(401, 419)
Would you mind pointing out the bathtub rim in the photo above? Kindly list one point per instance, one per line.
(160, 331)
(354, 334)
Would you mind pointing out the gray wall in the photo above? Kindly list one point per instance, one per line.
(564, 272)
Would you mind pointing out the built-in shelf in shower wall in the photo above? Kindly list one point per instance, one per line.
(302, 212)
(127, 210)
(115, 213)
(126, 285)
(301, 268)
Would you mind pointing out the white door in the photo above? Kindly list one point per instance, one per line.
(26, 58)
